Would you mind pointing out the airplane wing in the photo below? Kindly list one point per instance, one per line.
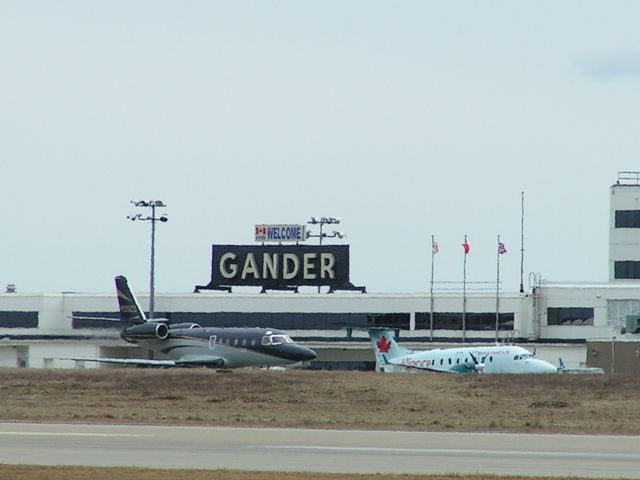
(127, 361)
(459, 368)
(426, 369)
(206, 361)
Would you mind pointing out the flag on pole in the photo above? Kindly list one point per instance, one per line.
(466, 247)
(501, 248)
(434, 247)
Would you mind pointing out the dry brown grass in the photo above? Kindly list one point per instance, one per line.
(342, 400)
(15, 472)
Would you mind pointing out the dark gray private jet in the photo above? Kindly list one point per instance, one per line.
(189, 344)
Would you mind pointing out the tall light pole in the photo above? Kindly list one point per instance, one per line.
(153, 204)
(324, 221)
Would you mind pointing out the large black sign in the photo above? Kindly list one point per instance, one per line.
(280, 266)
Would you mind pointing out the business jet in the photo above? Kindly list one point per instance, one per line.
(391, 357)
(189, 344)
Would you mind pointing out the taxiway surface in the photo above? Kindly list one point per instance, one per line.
(319, 450)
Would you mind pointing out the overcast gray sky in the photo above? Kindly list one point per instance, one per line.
(404, 119)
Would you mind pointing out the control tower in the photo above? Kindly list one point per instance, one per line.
(624, 228)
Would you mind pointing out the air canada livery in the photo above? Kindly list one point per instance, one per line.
(189, 344)
(391, 357)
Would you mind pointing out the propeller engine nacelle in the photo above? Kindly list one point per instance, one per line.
(146, 330)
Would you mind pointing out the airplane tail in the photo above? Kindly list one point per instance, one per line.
(385, 346)
(130, 311)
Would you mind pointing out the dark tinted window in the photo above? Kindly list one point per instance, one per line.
(393, 320)
(570, 316)
(474, 321)
(283, 320)
(627, 218)
(94, 320)
(18, 319)
(626, 269)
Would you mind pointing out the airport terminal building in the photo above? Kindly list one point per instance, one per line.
(597, 324)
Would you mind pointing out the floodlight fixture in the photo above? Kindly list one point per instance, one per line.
(153, 204)
(322, 221)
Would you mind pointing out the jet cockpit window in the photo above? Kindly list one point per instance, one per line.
(276, 339)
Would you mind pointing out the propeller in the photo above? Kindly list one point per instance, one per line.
(478, 366)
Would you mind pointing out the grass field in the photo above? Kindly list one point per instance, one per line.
(336, 400)
(15, 472)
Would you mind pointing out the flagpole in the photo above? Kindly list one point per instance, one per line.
(522, 245)
(433, 254)
(497, 288)
(464, 292)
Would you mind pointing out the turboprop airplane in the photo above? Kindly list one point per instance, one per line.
(189, 344)
(391, 357)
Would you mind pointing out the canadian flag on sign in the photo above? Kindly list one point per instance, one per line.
(466, 247)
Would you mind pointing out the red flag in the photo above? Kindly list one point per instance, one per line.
(501, 248)
(434, 247)
(466, 247)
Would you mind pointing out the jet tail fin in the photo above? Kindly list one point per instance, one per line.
(130, 311)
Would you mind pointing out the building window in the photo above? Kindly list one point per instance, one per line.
(627, 218)
(290, 320)
(473, 321)
(570, 316)
(96, 320)
(18, 319)
(391, 320)
(626, 269)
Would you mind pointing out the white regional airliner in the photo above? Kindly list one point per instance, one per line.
(391, 357)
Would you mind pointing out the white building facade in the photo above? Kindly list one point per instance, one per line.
(557, 320)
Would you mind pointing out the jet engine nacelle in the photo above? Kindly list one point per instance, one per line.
(184, 325)
(147, 330)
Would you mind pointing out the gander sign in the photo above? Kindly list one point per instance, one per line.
(274, 266)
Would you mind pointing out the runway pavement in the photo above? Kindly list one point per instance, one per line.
(319, 450)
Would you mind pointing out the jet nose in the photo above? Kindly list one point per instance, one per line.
(306, 354)
(299, 353)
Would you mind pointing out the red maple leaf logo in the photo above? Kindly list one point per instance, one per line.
(383, 344)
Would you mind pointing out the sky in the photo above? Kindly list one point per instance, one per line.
(404, 119)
